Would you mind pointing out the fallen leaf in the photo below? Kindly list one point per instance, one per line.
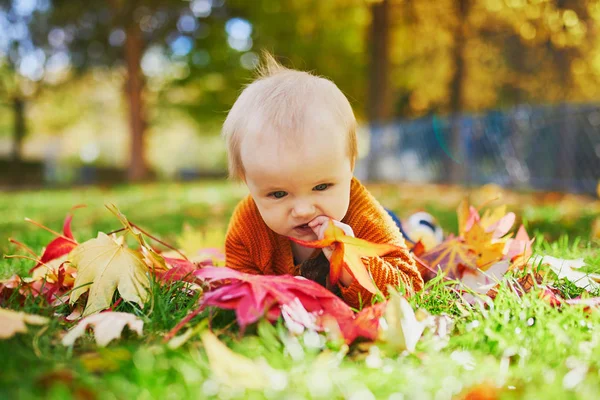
(254, 296)
(482, 391)
(566, 269)
(105, 360)
(402, 330)
(588, 303)
(107, 327)
(179, 270)
(297, 319)
(61, 245)
(519, 246)
(348, 252)
(365, 324)
(13, 322)
(449, 256)
(549, 296)
(103, 266)
(230, 368)
(467, 216)
(8, 286)
(482, 281)
(497, 221)
(53, 288)
(481, 243)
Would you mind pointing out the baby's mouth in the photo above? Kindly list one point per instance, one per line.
(303, 226)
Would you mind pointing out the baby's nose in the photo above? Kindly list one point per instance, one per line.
(303, 210)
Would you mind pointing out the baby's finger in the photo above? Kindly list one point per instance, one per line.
(346, 228)
(319, 230)
(318, 221)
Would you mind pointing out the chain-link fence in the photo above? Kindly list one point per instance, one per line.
(548, 148)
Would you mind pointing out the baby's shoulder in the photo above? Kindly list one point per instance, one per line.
(245, 217)
(368, 218)
(363, 203)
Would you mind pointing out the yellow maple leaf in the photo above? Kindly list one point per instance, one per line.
(230, 368)
(490, 217)
(463, 213)
(486, 249)
(13, 322)
(103, 266)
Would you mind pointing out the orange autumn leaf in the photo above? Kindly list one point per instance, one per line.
(482, 391)
(348, 252)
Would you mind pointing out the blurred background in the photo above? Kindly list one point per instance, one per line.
(447, 91)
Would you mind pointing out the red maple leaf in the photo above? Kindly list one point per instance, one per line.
(60, 246)
(254, 296)
(181, 270)
(364, 324)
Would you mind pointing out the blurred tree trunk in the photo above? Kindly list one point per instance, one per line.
(18, 105)
(134, 88)
(379, 107)
(457, 169)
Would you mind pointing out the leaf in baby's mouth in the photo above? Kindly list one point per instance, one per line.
(347, 254)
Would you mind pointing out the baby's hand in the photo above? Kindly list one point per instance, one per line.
(319, 225)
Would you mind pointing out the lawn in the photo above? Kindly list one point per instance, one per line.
(513, 347)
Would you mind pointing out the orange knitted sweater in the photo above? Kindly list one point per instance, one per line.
(254, 248)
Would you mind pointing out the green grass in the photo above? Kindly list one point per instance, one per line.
(520, 346)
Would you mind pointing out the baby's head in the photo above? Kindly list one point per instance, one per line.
(291, 137)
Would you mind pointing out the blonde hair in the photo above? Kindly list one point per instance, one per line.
(278, 101)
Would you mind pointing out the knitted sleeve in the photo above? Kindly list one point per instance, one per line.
(371, 222)
(237, 244)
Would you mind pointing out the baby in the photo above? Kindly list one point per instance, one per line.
(291, 138)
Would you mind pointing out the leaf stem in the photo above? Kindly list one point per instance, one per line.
(23, 246)
(50, 230)
(159, 241)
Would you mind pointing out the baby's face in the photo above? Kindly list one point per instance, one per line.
(292, 185)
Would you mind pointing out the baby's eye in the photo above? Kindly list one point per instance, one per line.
(322, 186)
(278, 194)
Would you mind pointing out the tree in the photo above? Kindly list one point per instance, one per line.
(17, 86)
(379, 107)
(117, 34)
